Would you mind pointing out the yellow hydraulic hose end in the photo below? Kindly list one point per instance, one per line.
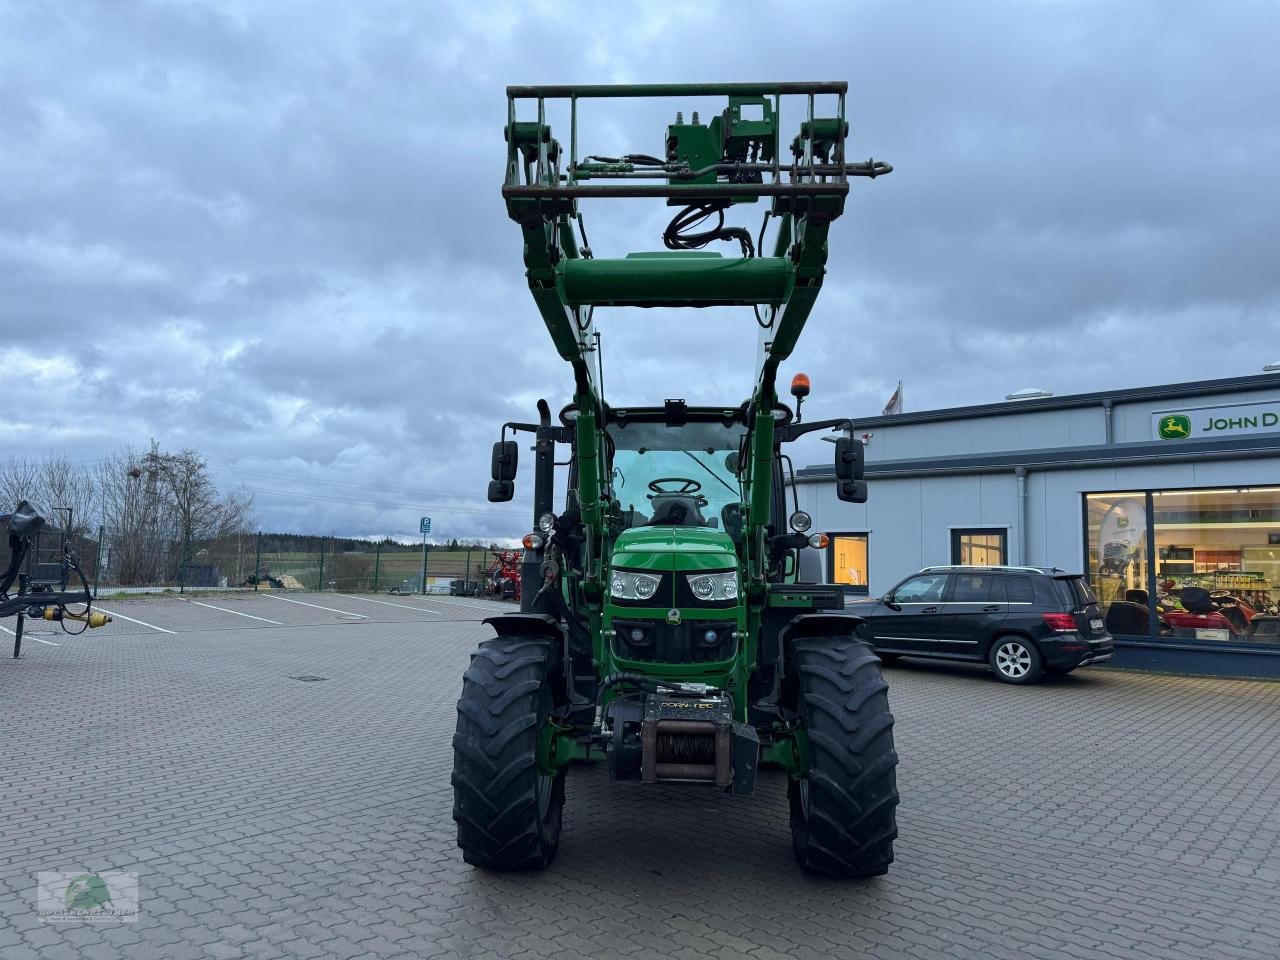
(92, 619)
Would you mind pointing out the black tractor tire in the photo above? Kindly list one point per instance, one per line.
(508, 811)
(843, 817)
(1015, 659)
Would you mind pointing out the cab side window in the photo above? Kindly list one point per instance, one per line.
(926, 588)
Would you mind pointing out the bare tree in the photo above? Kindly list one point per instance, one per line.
(62, 485)
(189, 493)
(136, 547)
(205, 524)
(19, 480)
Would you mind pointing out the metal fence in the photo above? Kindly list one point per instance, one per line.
(381, 568)
(115, 559)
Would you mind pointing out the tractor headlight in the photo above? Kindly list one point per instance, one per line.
(627, 585)
(714, 586)
(547, 522)
(801, 521)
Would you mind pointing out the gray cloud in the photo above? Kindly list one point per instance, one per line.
(273, 231)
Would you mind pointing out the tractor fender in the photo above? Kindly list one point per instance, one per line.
(823, 625)
(526, 625)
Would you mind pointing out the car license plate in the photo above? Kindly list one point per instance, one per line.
(1096, 624)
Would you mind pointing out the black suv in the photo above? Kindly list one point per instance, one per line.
(1021, 621)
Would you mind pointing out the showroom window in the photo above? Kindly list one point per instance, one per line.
(1187, 565)
(980, 546)
(847, 556)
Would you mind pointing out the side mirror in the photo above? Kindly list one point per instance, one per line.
(731, 461)
(850, 459)
(502, 487)
(850, 467)
(891, 603)
(851, 491)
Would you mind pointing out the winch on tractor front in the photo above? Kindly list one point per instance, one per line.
(664, 629)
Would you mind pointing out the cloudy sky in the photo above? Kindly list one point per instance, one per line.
(273, 231)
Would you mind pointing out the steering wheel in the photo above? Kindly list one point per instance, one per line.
(687, 487)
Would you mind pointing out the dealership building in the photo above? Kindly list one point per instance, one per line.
(1147, 491)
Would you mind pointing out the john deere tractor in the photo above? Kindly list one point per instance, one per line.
(664, 630)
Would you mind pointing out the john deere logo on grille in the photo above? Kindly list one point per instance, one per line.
(1175, 426)
(673, 616)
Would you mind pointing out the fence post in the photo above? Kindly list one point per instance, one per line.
(377, 565)
(97, 563)
(320, 584)
(257, 563)
(466, 572)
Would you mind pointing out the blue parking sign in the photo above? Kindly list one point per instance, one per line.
(426, 525)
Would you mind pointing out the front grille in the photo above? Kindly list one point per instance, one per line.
(674, 643)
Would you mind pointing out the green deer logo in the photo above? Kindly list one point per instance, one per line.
(1176, 426)
(88, 892)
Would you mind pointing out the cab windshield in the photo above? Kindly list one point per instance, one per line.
(675, 475)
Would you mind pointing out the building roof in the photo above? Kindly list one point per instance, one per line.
(1168, 391)
(1063, 458)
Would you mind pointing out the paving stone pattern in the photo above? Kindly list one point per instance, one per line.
(1107, 815)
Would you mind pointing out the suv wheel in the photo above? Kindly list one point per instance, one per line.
(1015, 660)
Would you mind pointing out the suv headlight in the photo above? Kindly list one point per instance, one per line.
(626, 585)
(714, 586)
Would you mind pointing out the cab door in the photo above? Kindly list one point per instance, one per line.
(909, 619)
(975, 607)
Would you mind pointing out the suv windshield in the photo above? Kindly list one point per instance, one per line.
(675, 475)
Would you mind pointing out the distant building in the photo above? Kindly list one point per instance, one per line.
(1148, 490)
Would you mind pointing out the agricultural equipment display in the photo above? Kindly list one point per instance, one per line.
(663, 628)
(502, 579)
(42, 576)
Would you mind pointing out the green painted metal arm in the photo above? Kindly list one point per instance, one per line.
(674, 279)
(714, 166)
(585, 91)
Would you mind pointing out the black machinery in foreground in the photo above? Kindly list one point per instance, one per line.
(42, 584)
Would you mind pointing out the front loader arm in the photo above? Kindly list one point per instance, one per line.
(732, 159)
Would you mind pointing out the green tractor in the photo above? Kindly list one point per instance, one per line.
(664, 628)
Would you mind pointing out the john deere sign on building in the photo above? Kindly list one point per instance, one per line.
(1202, 423)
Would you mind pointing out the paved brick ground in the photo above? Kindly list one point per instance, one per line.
(1108, 815)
